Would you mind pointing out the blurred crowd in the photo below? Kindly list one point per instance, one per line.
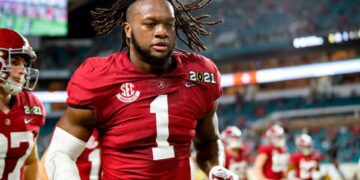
(279, 20)
(274, 21)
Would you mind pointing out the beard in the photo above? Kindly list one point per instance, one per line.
(147, 56)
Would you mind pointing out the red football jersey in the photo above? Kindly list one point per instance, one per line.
(18, 129)
(236, 164)
(276, 162)
(145, 121)
(88, 162)
(305, 165)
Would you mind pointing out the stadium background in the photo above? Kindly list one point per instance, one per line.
(320, 39)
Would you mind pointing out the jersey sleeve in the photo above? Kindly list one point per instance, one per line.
(227, 159)
(214, 89)
(39, 119)
(318, 156)
(264, 150)
(43, 111)
(294, 158)
(80, 90)
(217, 89)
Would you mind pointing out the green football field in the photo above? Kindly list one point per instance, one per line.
(34, 27)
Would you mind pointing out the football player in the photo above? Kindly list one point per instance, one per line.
(271, 161)
(21, 113)
(148, 103)
(306, 161)
(235, 151)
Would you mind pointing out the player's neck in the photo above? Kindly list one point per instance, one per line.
(153, 69)
(5, 99)
(234, 152)
(166, 68)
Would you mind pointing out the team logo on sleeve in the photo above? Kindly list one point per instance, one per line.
(128, 93)
(202, 77)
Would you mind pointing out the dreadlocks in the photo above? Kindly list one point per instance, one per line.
(106, 19)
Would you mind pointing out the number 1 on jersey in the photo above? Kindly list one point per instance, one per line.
(163, 150)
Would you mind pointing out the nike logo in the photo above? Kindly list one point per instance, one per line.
(189, 85)
(27, 121)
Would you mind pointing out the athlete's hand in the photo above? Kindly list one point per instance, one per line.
(220, 173)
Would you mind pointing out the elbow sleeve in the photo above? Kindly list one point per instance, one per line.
(63, 151)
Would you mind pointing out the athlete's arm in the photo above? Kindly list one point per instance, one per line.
(32, 164)
(290, 167)
(259, 164)
(316, 173)
(210, 151)
(78, 122)
(43, 175)
(70, 136)
(245, 174)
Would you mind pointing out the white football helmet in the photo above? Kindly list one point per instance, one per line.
(276, 136)
(13, 44)
(231, 137)
(304, 144)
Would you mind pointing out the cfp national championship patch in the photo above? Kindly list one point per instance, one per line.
(32, 110)
(202, 77)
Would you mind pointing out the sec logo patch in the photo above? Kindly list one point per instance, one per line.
(128, 93)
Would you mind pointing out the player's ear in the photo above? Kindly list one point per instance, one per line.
(127, 29)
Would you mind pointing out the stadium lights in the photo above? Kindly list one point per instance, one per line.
(345, 36)
(51, 97)
(308, 41)
(338, 37)
(342, 37)
(331, 38)
(352, 35)
(253, 77)
(293, 72)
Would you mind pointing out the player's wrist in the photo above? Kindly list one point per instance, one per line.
(221, 173)
(215, 168)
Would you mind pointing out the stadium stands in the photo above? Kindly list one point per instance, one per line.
(273, 25)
